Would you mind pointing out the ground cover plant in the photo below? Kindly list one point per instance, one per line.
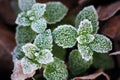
(40, 47)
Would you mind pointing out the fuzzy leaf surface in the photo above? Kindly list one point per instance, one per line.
(56, 70)
(65, 36)
(55, 12)
(101, 44)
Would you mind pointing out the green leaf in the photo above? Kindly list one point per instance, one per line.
(22, 19)
(29, 66)
(55, 12)
(24, 35)
(65, 36)
(101, 44)
(44, 40)
(17, 53)
(59, 52)
(39, 9)
(85, 39)
(25, 5)
(103, 61)
(85, 52)
(90, 14)
(77, 65)
(85, 27)
(39, 26)
(56, 70)
(29, 50)
(31, 15)
(45, 56)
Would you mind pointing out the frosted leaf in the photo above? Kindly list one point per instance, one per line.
(17, 53)
(65, 36)
(39, 26)
(45, 56)
(29, 66)
(29, 50)
(104, 59)
(25, 5)
(44, 40)
(85, 52)
(85, 27)
(24, 35)
(101, 44)
(56, 70)
(55, 12)
(85, 39)
(77, 65)
(90, 14)
(22, 19)
(39, 9)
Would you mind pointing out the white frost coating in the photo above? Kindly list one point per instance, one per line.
(45, 57)
(22, 19)
(25, 5)
(55, 12)
(39, 9)
(85, 27)
(101, 44)
(28, 66)
(85, 39)
(85, 52)
(65, 36)
(30, 49)
(39, 26)
(44, 40)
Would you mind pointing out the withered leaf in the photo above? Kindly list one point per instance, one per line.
(93, 76)
(107, 11)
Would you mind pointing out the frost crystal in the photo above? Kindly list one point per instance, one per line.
(77, 65)
(45, 56)
(30, 50)
(85, 52)
(25, 5)
(28, 66)
(24, 35)
(101, 44)
(56, 70)
(65, 36)
(44, 40)
(22, 19)
(85, 27)
(39, 9)
(55, 11)
(39, 26)
(90, 14)
(85, 39)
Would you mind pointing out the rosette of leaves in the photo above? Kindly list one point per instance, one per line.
(89, 41)
(37, 15)
(34, 58)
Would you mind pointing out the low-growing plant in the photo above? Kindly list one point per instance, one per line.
(39, 47)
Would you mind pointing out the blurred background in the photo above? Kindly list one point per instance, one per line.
(109, 22)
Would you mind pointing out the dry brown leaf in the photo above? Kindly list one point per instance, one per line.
(93, 76)
(112, 28)
(18, 73)
(106, 12)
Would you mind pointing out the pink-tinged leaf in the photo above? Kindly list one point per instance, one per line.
(93, 76)
(18, 73)
(107, 11)
(115, 53)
